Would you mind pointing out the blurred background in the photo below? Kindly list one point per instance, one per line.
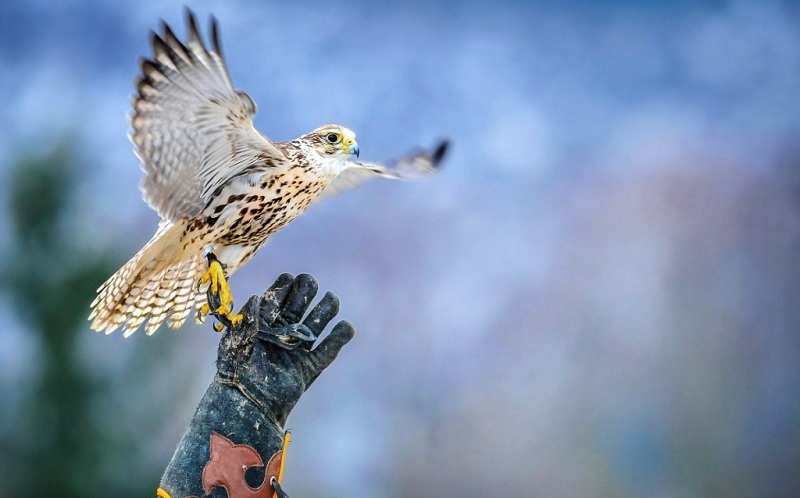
(598, 295)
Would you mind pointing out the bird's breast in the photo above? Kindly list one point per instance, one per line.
(245, 213)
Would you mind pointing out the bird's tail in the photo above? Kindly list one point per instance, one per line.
(157, 284)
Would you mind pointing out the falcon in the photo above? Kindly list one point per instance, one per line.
(221, 187)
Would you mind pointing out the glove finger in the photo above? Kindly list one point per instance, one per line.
(322, 314)
(300, 296)
(274, 297)
(327, 350)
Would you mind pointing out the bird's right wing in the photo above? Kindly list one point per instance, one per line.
(192, 130)
(412, 167)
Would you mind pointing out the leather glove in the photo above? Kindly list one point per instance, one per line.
(264, 365)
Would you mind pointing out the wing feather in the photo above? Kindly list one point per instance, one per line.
(411, 167)
(191, 129)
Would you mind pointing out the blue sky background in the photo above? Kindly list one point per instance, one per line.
(596, 297)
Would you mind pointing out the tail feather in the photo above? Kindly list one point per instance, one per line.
(138, 310)
(186, 296)
(158, 309)
(158, 283)
(174, 297)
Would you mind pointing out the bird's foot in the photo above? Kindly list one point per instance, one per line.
(218, 294)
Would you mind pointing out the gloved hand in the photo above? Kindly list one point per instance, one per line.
(264, 365)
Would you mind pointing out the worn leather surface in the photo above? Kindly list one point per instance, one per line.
(239, 423)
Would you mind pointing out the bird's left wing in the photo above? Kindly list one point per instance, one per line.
(412, 167)
(192, 130)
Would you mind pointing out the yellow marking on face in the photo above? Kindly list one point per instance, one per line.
(349, 145)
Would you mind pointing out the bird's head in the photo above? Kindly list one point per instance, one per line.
(333, 142)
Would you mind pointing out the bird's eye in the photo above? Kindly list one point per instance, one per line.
(332, 138)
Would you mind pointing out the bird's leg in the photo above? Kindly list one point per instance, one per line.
(218, 294)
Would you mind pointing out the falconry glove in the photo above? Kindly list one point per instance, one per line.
(232, 446)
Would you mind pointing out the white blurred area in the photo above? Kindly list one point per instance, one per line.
(596, 297)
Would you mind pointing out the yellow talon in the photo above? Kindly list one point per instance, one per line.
(215, 274)
(218, 294)
(202, 313)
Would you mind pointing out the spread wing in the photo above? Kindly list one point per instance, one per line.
(192, 130)
(411, 167)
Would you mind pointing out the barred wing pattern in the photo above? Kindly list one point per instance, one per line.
(192, 130)
(216, 181)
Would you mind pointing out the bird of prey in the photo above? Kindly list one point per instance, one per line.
(221, 187)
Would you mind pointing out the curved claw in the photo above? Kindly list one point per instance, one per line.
(202, 313)
(228, 319)
(218, 295)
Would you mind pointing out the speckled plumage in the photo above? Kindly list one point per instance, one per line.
(218, 183)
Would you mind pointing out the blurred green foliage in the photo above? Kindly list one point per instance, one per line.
(59, 445)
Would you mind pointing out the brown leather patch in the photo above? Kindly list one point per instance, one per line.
(273, 466)
(227, 465)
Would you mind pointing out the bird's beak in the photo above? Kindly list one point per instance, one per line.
(351, 146)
